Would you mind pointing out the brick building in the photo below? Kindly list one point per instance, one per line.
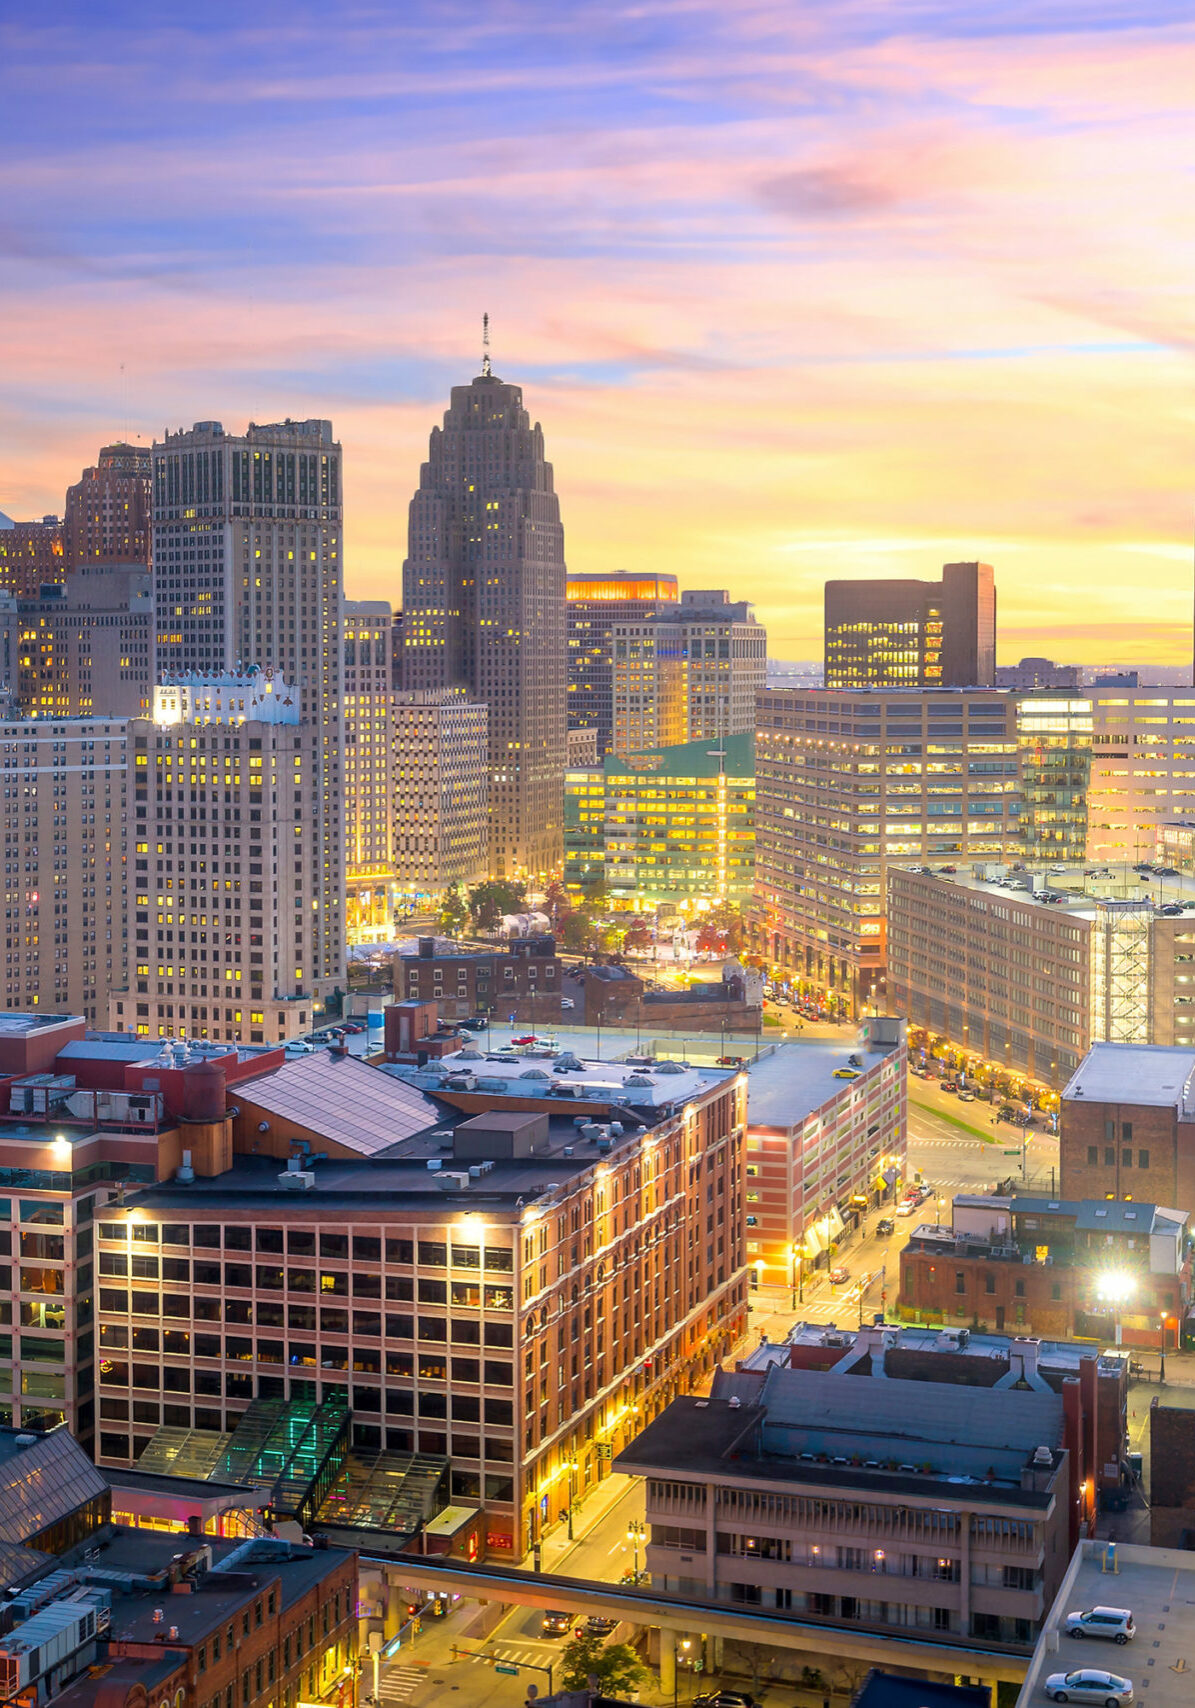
(523, 979)
(1127, 1125)
(1038, 1266)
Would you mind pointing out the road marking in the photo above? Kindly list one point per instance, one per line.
(397, 1684)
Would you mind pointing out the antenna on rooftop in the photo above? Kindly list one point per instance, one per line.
(485, 345)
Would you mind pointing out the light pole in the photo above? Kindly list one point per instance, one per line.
(1162, 1327)
(636, 1534)
(1115, 1288)
(572, 1494)
(798, 1276)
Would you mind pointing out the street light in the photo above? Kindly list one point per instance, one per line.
(636, 1534)
(798, 1276)
(1115, 1287)
(572, 1494)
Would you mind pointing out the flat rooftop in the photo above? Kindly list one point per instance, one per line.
(655, 1085)
(1157, 1585)
(1054, 1357)
(1080, 890)
(1153, 1075)
(784, 1088)
(25, 1025)
(123, 1047)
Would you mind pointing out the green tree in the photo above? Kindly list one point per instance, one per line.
(577, 932)
(488, 901)
(615, 1666)
(454, 911)
(727, 916)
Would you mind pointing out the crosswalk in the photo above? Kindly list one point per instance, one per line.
(517, 1654)
(398, 1683)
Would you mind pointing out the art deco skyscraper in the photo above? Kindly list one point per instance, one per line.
(247, 571)
(484, 608)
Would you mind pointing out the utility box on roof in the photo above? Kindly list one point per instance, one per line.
(490, 1138)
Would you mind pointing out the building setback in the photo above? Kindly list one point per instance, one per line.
(846, 784)
(913, 634)
(247, 573)
(484, 608)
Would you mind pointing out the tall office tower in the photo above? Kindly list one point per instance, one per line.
(247, 570)
(30, 556)
(222, 931)
(595, 604)
(846, 784)
(913, 634)
(690, 673)
(1142, 768)
(65, 897)
(368, 771)
(108, 510)
(86, 647)
(484, 608)
(440, 809)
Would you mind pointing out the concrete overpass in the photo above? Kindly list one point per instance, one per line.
(674, 1614)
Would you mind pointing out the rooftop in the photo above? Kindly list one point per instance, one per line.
(1077, 891)
(25, 1025)
(354, 1105)
(1054, 1357)
(1158, 1586)
(658, 1084)
(798, 1078)
(1149, 1075)
(123, 1047)
(897, 1690)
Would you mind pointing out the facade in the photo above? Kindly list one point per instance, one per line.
(65, 863)
(440, 781)
(518, 1307)
(523, 978)
(913, 634)
(85, 646)
(223, 924)
(1027, 976)
(1142, 769)
(847, 784)
(854, 1496)
(1127, 1125)
(370, 892)
(1032, 674)
(821, 1151)
(31, 556)
(484, 608)
(1054, 736)
(673, 827)
(1039, 1266)
(247, 573)
(595, 604)
(689, 673)
(107, 518)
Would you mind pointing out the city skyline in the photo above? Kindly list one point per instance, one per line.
(692, 310)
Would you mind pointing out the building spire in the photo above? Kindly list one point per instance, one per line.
(485, 345)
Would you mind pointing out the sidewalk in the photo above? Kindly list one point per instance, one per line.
(587, 1515)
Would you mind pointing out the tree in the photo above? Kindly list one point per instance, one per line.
(454, 911)
(490, 900)
(727, 916)
(615, 1666)
(577, 932)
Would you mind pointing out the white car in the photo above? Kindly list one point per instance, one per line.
(1090, 1685)
(908, 1206)
(566, 1002)
(1115, 1623)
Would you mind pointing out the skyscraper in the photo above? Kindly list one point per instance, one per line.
(247, 571)
(595, 604)
(107, 510)
(913, 634)
(691, 672)
(368, 771)
(484, 607)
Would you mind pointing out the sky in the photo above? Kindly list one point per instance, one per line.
(797, 288)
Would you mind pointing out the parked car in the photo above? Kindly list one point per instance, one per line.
(724, 1699)
(885, 1226)
(732, 1061)
(567, 1004)
(556, 1624)
(297, 1047)
(907, 1206)
(839, 1276)
(966, 1096)
(846, 1073)
(1090, 1685)
(1115, 1623)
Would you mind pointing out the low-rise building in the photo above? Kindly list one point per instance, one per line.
(1127, 1125)
(863, 1498)
(1099, 1268)
(826, 1143)
(522, 979)
(1024, 971)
